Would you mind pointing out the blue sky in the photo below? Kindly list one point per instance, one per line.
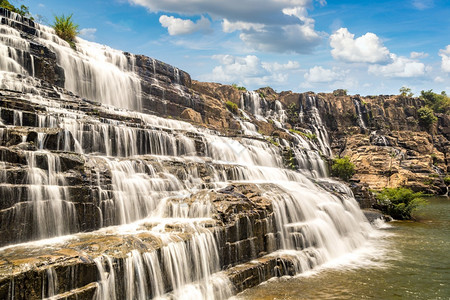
(367, 47)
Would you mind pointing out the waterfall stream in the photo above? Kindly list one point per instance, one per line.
(144, 173)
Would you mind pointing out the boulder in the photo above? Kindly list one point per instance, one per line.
(191, 115)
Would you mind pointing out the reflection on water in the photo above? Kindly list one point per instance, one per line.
(407, 260)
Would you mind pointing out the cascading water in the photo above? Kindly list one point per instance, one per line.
(89, 71)
(158, 173)
(358, 109)
(319, 129)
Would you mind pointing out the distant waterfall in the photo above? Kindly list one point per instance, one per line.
(358, 109)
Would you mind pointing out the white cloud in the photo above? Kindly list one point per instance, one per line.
(271, 25)
(177, 26)
(88, 33)
(400, 67)
(228, 26)
(250, 70)
(289, 38)
(298, 38)
(319, 74)
(415, 55)
(445, 55)
(439, 79)
(276, 67)
(252, 11)
(422, 4)
(366, 49)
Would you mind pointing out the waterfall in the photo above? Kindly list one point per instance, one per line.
(90, 175)
(358, 109)
(93, 71)
(319, 129)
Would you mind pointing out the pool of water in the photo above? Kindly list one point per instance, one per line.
(403, 260)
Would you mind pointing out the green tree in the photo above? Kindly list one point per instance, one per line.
(66, 29)
(439, 103)
(426, 117)
(406, 92)
(400, 202)
(343, 168)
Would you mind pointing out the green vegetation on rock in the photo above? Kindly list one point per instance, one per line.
(447, 180)
(66, 29)
(439, 103)
(343, 168)
(310, 136)
(291, 161)
(231, 106)
(426, 117)
(240, 88)
(295, 131)
(406, 92)
(23, 10)
(273, 142)
(400, 202)
(340, 92)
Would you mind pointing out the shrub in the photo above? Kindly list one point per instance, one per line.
(447, 180)
(240, 88)
(231, 106)
(439, 103)
(66, 29)
(406, 92)
(340, 92)
(343, 168)
(400, 203)
(426, 117)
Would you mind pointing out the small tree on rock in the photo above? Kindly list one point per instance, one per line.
(343, 168)
(426, 117)
(66, 29)
(406, 92)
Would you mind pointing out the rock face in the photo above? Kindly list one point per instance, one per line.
(105, 193)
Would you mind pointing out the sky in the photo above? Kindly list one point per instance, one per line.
(366, 47)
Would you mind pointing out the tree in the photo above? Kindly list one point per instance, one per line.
(400, 202)
(426, 117)
(406, 92)
(66, 29)
(439, 103)
(343, 168)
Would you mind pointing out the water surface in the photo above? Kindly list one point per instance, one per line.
(407, 260)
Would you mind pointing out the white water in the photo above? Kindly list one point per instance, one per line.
(361, 122)
(148, 169)
(93, 71)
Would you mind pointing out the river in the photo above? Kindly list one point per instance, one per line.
(403, 260)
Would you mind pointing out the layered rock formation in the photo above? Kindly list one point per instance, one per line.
(380, 134)
(106, 193)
